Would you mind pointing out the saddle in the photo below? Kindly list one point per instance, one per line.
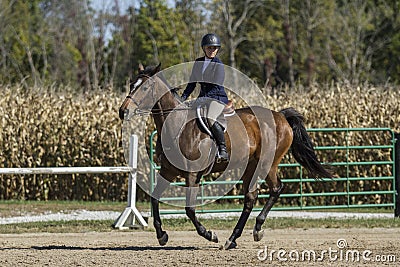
(201, 111)
(229, 109)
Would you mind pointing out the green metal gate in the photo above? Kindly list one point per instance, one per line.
(364, 159)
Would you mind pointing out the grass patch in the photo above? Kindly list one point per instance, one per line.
(284, 223)
(184, 224)
(19, 208)
(22, 208)
(57, 227)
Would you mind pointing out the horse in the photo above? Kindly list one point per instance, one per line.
(290, 133)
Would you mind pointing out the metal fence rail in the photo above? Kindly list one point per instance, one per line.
(351, 195)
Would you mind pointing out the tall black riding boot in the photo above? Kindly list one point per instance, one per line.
(218, 132)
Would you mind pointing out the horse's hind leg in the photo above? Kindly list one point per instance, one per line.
(284, 140)
(162, 184)
(250, 197)
(276, 187)
(191, 195)
(249, 200)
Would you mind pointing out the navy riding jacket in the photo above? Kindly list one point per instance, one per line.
(211, 80)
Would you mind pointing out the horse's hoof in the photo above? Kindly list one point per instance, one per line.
(228, 245)
(163, 240)
(214, 237)
(258, 235)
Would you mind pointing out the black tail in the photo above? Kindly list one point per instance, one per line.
(302, 146)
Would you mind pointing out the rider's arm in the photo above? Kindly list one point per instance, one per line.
(188, 90)
(195, 77)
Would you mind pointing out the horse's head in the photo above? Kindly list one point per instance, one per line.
(139, 97)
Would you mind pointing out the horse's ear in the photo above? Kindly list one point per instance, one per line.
(140, 68)
(158, 68)
(155, 69)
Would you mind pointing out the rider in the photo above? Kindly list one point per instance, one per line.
(209, 72)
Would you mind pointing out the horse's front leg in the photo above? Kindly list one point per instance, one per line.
(162, 184)
(275, 192)
(191, 195)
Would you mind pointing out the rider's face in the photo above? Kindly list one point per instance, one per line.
(211, 51)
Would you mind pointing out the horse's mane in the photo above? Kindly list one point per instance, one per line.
(174, 92)
(147, 70)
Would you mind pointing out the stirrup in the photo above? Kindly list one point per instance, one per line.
(223, 158)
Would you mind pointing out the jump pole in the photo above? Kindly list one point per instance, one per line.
(127, 218)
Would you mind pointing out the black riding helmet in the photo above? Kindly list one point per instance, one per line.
(210, 39)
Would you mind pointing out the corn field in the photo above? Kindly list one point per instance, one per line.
(47, 128)
(58, 127)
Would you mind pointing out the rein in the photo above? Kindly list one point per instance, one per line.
(158, 111)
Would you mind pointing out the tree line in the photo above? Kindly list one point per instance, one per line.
(90, 44)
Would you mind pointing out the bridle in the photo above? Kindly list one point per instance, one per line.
(138, 78)
(153, 111)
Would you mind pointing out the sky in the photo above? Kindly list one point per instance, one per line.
(124, 4)
(108, 4)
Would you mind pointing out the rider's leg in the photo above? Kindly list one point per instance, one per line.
(215, 109)
(218, 132)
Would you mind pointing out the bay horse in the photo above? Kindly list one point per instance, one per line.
(289, 132)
